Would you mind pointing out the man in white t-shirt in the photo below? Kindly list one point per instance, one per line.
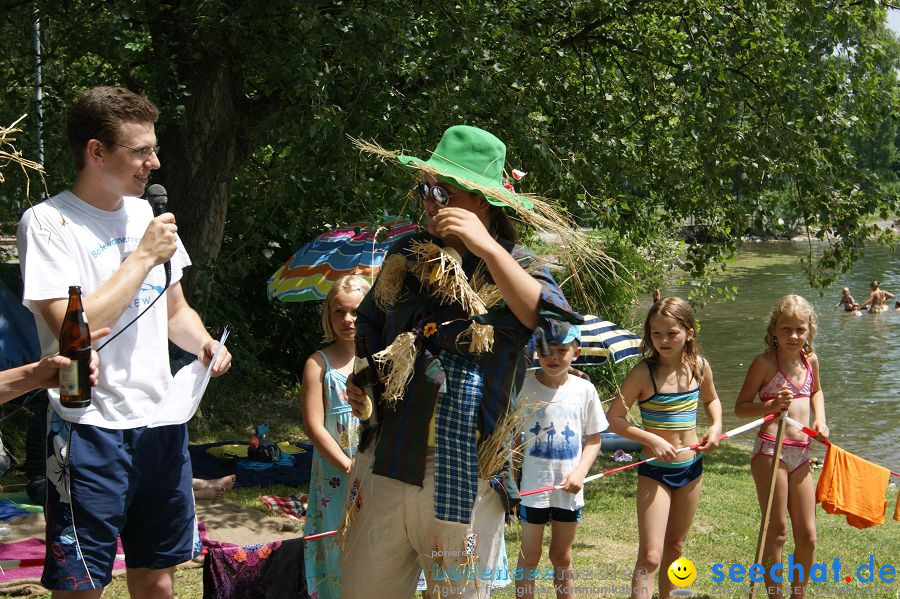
(556, 409)
(110, 471)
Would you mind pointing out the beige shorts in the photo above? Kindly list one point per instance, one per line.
(394, 535)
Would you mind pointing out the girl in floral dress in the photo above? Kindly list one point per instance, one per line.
(333, 431)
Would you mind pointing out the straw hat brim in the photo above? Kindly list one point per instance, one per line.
(466, 180)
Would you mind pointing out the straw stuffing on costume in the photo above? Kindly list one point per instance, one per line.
(9, 154)
(389, 285)
(401, 357)
(497, 449)
(441, 269)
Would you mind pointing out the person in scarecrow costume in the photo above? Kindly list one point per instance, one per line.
(445, 326)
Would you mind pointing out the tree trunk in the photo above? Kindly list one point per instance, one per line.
(199, 158)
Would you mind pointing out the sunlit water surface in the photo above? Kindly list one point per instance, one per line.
(859, 355)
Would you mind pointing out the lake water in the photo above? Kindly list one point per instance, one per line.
(859, 356)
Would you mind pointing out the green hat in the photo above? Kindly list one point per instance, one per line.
(471, 159)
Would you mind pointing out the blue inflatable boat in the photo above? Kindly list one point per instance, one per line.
(609, 442)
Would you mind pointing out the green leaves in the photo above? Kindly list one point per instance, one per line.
(641, 118)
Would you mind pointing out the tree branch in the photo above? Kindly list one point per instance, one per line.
(624, 48)
(9, 5)
(586, 31)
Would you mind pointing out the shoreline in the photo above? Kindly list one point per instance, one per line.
(892, 225)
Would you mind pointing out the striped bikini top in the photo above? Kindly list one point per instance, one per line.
(670, 411)
(770, 390)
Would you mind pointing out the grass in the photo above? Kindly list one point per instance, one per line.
(724, 531)
(236, 417)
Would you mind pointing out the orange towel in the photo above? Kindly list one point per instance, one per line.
(850, 485)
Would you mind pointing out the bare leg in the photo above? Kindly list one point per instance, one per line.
(529, 557)
(802, 507)
(653, 501)
(681, 515)
(151, 584)
(562, 535)
(776, 534)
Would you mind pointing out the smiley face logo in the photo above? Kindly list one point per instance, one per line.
(682, 572)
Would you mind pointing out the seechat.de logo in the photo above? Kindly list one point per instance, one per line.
(794, 572)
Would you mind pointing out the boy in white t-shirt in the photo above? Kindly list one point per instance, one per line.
(557, 409)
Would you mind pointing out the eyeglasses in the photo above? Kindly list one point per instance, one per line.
(438, 194)
(144, 152)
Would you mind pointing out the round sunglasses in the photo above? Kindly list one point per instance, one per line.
(438, 194)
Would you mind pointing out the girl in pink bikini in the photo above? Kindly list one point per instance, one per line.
(786, 377)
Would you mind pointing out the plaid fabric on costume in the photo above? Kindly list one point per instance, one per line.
(456, 456)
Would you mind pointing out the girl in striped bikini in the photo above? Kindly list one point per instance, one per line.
(786, 377)
(668, 385)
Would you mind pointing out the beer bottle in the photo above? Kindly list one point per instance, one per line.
(75, 344)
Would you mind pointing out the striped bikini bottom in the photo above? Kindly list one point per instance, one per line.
(793, 453)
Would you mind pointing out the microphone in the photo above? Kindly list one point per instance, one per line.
(159, 198)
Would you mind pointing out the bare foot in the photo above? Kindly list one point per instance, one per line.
(209, 493)
(225, 483)
(212, 490)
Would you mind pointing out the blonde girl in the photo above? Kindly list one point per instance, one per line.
(668, 384)
(786, 377)
(332, 429)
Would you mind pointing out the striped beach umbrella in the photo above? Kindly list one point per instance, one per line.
(358, 248)
(602, 339)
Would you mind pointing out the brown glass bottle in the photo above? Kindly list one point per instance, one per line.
(75, 344)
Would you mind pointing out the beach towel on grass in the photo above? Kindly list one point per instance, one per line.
(853, 486)
(9, 510)
(231, 451)
(22, 501)
(294, 469)
(25, 560)
(289, 506)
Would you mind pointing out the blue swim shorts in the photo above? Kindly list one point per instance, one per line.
(674, 475)
(543, 515)
(103, 483)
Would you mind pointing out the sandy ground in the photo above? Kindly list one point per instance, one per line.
(233, 523)
(225, 521)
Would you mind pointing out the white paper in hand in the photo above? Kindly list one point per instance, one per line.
(186, 391)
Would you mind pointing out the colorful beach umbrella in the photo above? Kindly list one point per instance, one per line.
(358, 248)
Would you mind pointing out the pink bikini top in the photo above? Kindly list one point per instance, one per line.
(770, 389)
